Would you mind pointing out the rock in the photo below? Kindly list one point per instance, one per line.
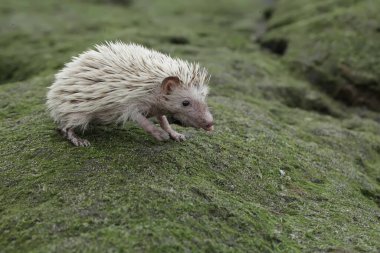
(215, 193)
(329, 42)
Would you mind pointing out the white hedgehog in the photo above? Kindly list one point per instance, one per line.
(117, 82)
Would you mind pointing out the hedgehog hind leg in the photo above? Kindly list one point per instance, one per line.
(68, 133)
(71, 121)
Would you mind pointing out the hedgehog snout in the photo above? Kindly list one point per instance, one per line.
(209, 126)
(208, 122)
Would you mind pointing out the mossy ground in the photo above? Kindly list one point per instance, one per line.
(287, 169)
(333, 39)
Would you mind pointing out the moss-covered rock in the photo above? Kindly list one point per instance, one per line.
(331, 41)
(287, 169)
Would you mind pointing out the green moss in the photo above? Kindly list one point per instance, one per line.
(278, 174)
(333, 39)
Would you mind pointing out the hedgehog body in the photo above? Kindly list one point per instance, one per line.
(117, 82)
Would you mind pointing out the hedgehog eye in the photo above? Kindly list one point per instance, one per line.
(186, 103)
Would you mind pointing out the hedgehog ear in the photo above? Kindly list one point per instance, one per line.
(169, 84)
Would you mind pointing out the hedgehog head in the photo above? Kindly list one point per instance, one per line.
(186, 103)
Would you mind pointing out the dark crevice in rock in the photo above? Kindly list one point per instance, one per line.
(371, 195)
(200, 194)
(179, 40)
(268, 13)
(345, 91)
(276, 46)
(300, 98)
(377, 149)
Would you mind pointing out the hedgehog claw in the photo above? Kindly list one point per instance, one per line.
(177, 136)
(73, 138)
(84, 143)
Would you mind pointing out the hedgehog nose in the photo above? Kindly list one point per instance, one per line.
(209, 126)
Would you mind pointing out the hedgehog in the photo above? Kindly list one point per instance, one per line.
(117, 82)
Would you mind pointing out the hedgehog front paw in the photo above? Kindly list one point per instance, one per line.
(177, 136)
(84, 143)
(160, 135)
(79, 142)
